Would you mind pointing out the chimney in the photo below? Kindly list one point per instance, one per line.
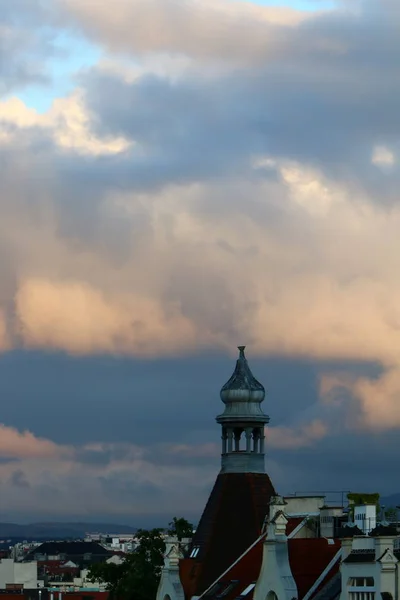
(347, 545)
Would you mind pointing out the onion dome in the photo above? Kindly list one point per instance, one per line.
(242, 386)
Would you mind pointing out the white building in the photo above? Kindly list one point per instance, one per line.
(369, 569)
(23, 573)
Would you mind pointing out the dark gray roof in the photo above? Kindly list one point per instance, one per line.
(383, 529)
(331, 590)
(242, 378)
(349, 530)
(364, 555)
(69, 549)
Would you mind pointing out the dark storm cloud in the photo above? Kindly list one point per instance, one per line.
(145, 402)
(223, 123)
(346, 462)
(18, 479)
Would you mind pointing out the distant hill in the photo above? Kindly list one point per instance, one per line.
(39, 531)
(390, 501)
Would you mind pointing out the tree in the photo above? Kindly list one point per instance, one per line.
(138, 576)
(180, 528)
(391, 514)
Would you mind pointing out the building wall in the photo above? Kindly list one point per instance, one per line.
(13, 572)
(303, 505)
(384, 570)
(275, 579)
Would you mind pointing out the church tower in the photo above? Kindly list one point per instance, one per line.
(242, 421)
(239, 502)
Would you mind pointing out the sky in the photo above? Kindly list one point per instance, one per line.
(178, 178)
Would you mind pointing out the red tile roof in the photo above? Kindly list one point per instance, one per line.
(231, 522)
(243, 573)
(308, 558)
(293, 522)
(29, 594)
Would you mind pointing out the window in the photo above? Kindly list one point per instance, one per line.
(361, 582)
(361, 588)
(194, 552)
(326, 519)
(227, 590)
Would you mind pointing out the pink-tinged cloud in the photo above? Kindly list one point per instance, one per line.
(378, 398)
(82, 320)
(296, 437)
(4, 338)
(210, 450)
(200, 30)
(16, 444)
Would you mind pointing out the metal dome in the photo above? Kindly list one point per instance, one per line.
(242, 385)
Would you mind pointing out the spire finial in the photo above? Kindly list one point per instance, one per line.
(241, 351)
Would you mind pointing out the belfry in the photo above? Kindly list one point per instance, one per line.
(242, 421)
(239, 501)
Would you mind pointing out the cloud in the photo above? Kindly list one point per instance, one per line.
(201, 30)
(24, 44)
(67, 124)
(122, 479)
(4, 341)
(291, 438)
(209, 450)
(14, 444)
(383, 157)
(378, 399)
(197, 193)
(77, 318)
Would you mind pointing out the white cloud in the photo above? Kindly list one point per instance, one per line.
(383, 157)
(218, 30)
(67, 122)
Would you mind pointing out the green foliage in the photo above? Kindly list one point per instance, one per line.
(180, 528)
(137, 578)
(358, 499)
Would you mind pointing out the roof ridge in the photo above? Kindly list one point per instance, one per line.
(297, 528)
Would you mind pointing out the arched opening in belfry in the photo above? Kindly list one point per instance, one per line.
(272, 596)
(243, 439)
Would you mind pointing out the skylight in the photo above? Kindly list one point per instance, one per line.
(228, 589)
(213, 590)
(248, 590)
(194, 552)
